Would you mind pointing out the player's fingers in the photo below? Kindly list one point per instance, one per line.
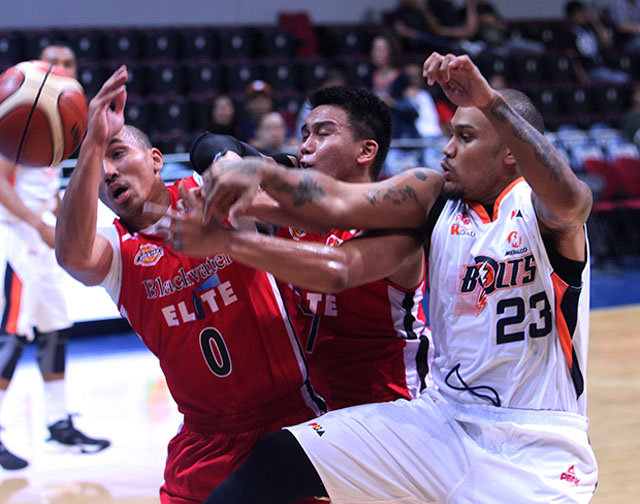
(120, 99)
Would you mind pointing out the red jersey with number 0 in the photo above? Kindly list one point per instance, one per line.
(364, 344)
(220, 330)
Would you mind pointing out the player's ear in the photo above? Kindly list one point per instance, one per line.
(368, 150)
(157, 159)
(508, 158)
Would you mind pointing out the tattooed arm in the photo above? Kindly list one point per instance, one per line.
(561, 200)
(402, 201)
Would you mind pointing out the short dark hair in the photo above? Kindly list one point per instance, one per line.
(368, 115)
(523, 105)
(140, 136)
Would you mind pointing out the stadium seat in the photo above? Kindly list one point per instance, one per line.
(275, 42)
(88, 45)
(137, 79)
(199, 43)
(239, 74)
(35, 41)
(123, 45)
(357, 69)
(312, 72)
(161, 44)
(236, 43)
(171, 114)
(204, 77)
(91, 76)
(164, 78)
(353, 40)
(137, 113)
(10, 48)
(559, 68)
(281, 74)
(528, 68)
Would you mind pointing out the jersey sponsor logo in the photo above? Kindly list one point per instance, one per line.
(148, 255)
(570, 476)
(487, 275)
(462, 226)
(159, 287)
(334, 241)
(317, 427)
(516, 213)
(515, 240)
(296, 234)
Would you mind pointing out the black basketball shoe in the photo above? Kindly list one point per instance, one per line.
(64, 433)
(10, 461)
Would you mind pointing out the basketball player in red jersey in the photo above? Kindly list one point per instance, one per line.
(363, 344)
(219, 329)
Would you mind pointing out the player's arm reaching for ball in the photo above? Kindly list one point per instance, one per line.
(12, 202)
(402, 201)
(80, 250)
(561, 200)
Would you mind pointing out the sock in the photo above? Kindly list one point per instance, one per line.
(55, 399)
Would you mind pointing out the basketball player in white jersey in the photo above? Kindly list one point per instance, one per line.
(509, 272)
(32, 304)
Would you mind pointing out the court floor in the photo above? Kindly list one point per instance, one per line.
(118, 389)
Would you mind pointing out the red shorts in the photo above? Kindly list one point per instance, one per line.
(197, 463)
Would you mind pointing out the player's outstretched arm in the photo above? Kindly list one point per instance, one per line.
(402, 201)
(562, 201)
(393, 254)
(79, 249)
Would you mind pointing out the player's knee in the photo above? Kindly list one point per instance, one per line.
(52, 350)
(11, 347)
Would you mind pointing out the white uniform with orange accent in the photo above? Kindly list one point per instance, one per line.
(32, 294)
(505, 421)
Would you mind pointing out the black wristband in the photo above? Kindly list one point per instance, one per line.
(208, 146)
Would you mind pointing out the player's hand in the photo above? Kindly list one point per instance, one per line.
(460, 80)
(230, 184)
(184, 231)
(104, 121)
(47, 234)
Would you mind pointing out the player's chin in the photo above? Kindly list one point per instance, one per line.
(451, 191)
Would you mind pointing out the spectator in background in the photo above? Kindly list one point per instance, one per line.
(390, 82)
(625, 15)
(258, 102)
(414, 25)
(224, 117)
(494, 31)
(428, 122)
(459, 24)
(271, 135)
(631, 121)
(588, 40)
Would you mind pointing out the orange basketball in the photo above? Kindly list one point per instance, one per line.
(43, 114)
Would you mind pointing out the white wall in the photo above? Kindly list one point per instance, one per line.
(90, 13)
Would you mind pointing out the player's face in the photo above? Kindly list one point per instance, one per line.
(328, 144)
(131, 177)
(474, 158)
(61, 56)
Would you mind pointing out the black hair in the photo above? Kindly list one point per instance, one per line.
(369, 116)
(523, 105)
(140, 136)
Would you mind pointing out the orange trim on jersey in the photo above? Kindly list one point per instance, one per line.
(15, 296)
(559, 288)
(504, 192)
(482, 212)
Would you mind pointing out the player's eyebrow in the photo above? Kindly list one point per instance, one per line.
(114, 140)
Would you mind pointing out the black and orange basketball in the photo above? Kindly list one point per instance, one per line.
(43, 114)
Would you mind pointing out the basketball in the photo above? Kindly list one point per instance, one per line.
(43, 114)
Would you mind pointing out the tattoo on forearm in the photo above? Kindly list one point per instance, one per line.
(397, 196)
(305, 191)
(545, 153)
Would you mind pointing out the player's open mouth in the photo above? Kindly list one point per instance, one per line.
(119, 193)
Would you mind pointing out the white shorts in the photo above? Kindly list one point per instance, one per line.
(423, 451)
(32, 293)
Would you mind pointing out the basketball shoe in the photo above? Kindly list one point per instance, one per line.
(9, 461)
(65, 434)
